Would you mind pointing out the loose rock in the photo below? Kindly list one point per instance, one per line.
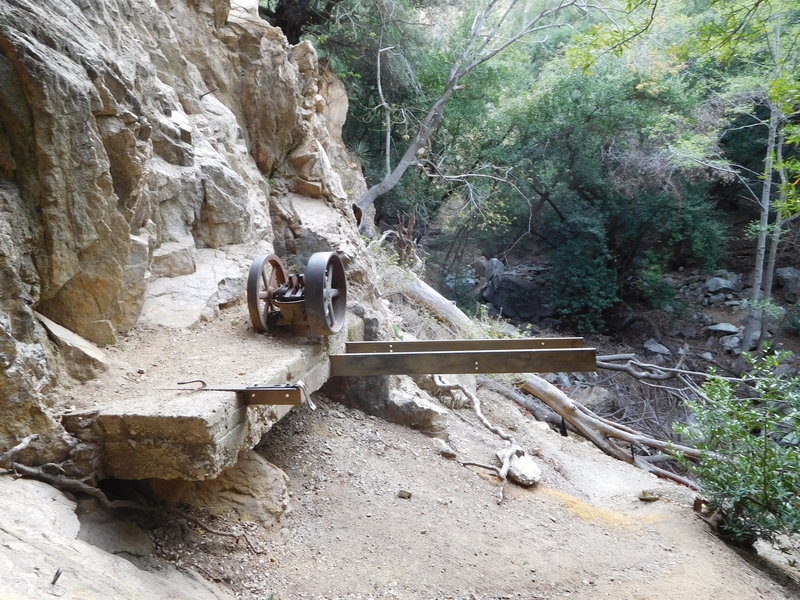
(654, 347)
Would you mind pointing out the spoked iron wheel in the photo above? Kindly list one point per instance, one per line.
(267, 274)
(326, 293)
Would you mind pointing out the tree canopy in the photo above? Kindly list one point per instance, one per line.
(607, 138)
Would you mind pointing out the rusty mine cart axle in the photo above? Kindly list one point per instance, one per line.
(316, 299)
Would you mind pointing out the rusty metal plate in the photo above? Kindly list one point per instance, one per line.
(465, 345)
(475, 361)
(290, 394)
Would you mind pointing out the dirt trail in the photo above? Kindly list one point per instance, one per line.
(224, 351)
(581, 533)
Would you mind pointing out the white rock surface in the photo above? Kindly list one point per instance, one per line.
(183, 301)
(39, 536)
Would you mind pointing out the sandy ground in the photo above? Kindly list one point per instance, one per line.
(225, 351)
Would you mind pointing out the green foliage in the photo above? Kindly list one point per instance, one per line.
(658, 293)
(583, 281)
(750, 471)
(591, 148)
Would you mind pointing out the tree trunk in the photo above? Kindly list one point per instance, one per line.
(775, 238)
(756, 320)
(443, 309)
(485, 41)
(426, 130)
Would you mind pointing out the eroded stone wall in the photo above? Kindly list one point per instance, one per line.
(143, 141)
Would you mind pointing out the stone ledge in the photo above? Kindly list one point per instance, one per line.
(194, 435)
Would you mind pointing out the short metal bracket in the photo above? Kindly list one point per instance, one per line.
(290, 394)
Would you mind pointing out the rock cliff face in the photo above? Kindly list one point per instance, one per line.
(148, 149)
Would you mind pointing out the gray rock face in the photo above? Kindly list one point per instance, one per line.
(252, 490)
(789, 279)
(394, 398)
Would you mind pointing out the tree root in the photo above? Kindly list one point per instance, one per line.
(75, 486)
(5, 458)
(511, 450)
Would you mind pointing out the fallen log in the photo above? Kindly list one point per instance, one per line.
(602, 432)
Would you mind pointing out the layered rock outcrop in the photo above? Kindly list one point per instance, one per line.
(143, 141)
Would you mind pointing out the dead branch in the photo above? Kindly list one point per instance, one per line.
(613, 357)
(540, 411)
(5, 458)
(603, 433)
(651, 371)
(513, 448)
(66, 484)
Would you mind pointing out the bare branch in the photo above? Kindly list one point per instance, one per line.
(6, 457)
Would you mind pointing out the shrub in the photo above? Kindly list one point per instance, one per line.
(751, 470)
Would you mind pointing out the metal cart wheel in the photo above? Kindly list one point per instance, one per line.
(267, 274)
(326, 293)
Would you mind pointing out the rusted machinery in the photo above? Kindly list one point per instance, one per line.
(316, 299)
(518, 355)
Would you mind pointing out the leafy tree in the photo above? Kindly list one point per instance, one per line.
(752, 48)
(750, 471)
(591, 148)
(495, 26)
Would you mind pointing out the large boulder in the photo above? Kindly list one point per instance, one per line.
(789, 279)
(394, 397)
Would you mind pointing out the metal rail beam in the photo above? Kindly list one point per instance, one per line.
(465, 345)
(475, 361)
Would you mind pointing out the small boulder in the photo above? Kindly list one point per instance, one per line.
(789, 279)
(445, 449)
(522, 469)
(730, 343)
(715, 285)
(726, 328)
(654, 347)
(735, 278)
(494, 269)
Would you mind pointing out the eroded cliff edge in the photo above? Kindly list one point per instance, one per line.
(148, 150)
